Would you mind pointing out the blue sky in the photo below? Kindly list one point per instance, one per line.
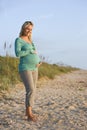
(60, 28)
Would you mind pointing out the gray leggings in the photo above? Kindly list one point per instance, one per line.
(29, 79)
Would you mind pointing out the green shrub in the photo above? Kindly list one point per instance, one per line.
(9, 71)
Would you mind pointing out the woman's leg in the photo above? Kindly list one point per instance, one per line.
(35, 78)
(29, 79)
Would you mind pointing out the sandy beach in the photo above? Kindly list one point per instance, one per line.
(61, 104)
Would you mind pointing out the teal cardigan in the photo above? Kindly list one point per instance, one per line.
(25, 51)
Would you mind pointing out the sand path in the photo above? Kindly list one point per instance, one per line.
(60, 103)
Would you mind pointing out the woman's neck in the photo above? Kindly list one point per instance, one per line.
(26, 38)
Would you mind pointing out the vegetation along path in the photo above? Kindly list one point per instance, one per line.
(61, 104)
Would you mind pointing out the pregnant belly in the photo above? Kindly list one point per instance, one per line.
(32, 59)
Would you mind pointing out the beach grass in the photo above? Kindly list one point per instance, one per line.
(9, 71)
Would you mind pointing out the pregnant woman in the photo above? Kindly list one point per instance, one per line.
(28, 65)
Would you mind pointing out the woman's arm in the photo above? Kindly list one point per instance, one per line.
(18, 51)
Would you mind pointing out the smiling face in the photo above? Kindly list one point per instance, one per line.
(26, 29)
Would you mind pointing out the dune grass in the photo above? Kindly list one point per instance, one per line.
(50, 70)
(9, 71)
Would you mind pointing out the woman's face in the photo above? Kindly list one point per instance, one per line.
(29, 30)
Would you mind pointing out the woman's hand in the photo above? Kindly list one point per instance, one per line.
(38, 65)
(35, 52)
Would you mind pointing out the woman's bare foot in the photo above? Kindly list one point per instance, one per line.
(32, 117)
